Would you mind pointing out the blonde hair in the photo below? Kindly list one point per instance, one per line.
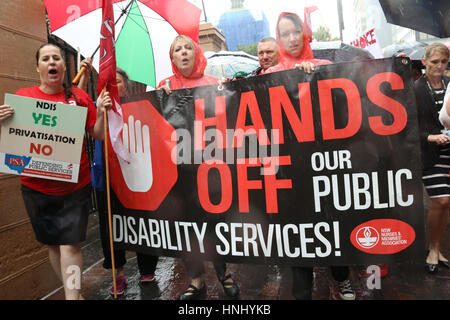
(436, 46)
(178, 38)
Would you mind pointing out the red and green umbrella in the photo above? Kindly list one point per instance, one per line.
(144, 31)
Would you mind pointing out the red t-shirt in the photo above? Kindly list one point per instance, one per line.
(54, 187)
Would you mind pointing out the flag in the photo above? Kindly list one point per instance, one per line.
(144, 32)
(307, 19)
(107, 77)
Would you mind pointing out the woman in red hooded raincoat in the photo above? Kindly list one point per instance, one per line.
(294, 51)
(293, 45)
(188, 65)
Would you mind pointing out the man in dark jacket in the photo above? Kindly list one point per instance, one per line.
(267, 55)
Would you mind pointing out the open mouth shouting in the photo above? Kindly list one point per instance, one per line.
(53, 73)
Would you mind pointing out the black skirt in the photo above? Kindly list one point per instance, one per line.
(58, 220)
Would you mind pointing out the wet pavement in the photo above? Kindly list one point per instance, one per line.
(257, 282)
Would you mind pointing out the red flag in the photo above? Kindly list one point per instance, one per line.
(107, 77)
(307, 19)
(107, 70)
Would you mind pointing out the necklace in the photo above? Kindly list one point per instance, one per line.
(431, 88)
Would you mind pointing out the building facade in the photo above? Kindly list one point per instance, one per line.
(241, 26)
(211, 39)
(25, 272)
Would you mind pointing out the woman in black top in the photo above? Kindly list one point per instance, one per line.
(430, 91)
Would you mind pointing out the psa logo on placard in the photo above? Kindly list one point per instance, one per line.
(16, 163)
(383, 236)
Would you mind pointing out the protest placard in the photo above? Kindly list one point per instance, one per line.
(369, 41)
(43, 139)
(288, 167)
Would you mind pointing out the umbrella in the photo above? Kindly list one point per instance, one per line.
(428, 16)
(144, 31)
(337, 51)
(225, 64)
(414, 50)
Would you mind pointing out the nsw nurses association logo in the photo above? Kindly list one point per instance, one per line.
(367, 237)
(383, 236)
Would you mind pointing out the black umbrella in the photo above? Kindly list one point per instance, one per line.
(428, 16)
(414, 50)
(337, 51)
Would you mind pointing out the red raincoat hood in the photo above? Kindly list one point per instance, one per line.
(285, 60)
(305, 54)
(199, 64)
(196, 78)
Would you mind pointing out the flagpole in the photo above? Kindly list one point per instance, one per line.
(204, 11)
(108, 199)
(80, 73)
(341, 18)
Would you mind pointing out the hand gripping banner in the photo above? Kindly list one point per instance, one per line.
(287, 168)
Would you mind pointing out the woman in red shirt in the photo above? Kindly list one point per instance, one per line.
(59, 210)
(188, 65)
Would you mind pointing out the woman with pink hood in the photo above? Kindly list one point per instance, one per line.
(188, 65)
(295, 52)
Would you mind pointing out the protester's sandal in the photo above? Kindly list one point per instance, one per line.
(193, 293)
(231, 289)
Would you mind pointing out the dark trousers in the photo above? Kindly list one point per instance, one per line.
(302, 278)
(195, 268)
(146, 263)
